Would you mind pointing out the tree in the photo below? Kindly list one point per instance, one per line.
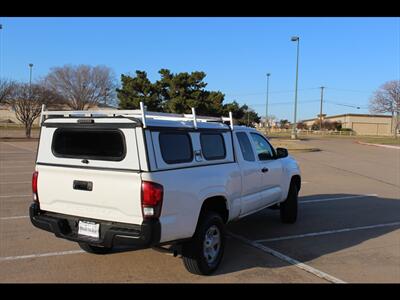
(284, 124)
(242, 114)
(82, 86)
(175, 93)
(27, 103)
(178, 93)
(387, 100)
(250, 117)
(337, 125)
(139, 89)
(302, 126)
(237, 111)
(7, 89)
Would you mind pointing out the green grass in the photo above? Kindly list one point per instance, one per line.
(380, 140)
(16, 127)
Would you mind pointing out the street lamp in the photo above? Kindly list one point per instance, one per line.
(1, 45)
(30, 79)
(30, 74)
(266, 105)
(105, 95)
(294, 131)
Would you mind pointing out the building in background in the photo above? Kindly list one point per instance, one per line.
(361, 124)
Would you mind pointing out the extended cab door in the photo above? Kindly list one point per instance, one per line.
(270, 168)
(250, 173)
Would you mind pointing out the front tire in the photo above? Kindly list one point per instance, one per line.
(288, 208)
(94, 249)
(203, 254)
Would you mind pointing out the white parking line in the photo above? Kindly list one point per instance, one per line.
(288, 259)
(13, 218)
(8, 258)
(338, 198)
(290, 237)
(15, 196)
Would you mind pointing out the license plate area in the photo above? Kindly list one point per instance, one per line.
(90, 229)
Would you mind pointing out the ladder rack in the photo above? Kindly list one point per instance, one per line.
(141, 113)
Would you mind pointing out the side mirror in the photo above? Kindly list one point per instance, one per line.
(281, 152)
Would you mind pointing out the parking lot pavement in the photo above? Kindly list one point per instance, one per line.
(348, 229)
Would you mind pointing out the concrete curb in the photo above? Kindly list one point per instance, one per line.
(379, 145)
(305, 150)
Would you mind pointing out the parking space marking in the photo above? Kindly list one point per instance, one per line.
(298, 236)
(288, 259)
(338, 198)
(8, 258)
(15, 196)
(13, 218)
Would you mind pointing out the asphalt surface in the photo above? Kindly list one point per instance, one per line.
(348, 229)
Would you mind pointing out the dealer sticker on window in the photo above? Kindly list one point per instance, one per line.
(89, 229)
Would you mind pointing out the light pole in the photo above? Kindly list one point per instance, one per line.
(266, 105)
(320, 110)
(1, 46)
(105, 95)
(30, 79)
(294, 131)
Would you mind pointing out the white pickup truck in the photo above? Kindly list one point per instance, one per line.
(139, 179)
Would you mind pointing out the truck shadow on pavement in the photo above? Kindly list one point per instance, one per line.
(348, 215)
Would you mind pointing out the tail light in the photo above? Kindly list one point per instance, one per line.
(34, 186)
(152, 197)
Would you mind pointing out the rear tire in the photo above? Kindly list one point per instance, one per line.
(94, 249)
(288, 208)
(203, 254)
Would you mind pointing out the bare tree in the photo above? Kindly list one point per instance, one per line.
(387, 100)
(27, 103)
(82, 86)
(7, 88)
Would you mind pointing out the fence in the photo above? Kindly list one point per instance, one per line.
(309, 132)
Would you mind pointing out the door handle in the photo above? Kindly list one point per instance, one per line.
(264, 170)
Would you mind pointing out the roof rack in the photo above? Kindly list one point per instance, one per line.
(141, 113)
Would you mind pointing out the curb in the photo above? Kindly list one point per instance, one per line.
(305, 150)
(379, 145)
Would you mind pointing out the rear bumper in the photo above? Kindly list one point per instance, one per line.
(112, 234)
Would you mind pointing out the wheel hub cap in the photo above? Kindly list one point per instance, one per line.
(212, 244)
